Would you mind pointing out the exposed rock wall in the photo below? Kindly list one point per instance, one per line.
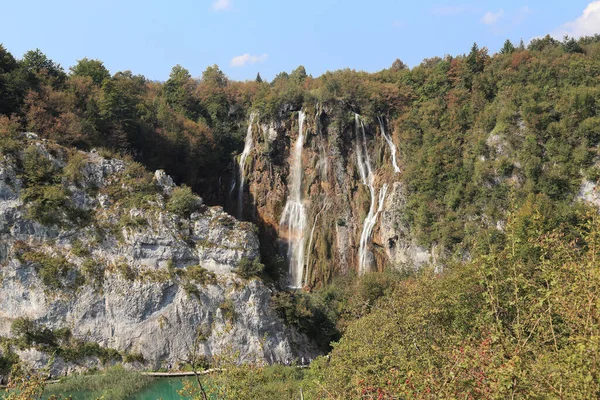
(137, 278)
(336, 200)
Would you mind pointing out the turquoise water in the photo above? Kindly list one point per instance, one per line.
(160, 388)
(163, 388)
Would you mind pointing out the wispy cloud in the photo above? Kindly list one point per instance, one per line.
(222, 5)
(449, 10)
(522, 13)
(245, 59)
(587, 24)
(491, 18)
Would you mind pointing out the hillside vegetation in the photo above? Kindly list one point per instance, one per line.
(493, 150)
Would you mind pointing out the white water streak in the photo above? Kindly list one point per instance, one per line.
(247, 148)
(367, 178)
(294, 214)
(233, 180)
(390, 143)
(312, 233)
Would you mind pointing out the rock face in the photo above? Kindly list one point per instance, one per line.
(335, 196)
(136, 274)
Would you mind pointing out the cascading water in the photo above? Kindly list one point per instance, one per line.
(243, 157)
(390, 143)
(233, 180)
(310, 241)
(294, 214)
(367, 178)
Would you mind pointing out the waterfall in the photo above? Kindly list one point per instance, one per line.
(294, 214)
(312, 233)
(242, 164)
(391, 144)
(233, 180)
(367, 178)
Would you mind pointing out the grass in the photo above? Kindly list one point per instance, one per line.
(115, 383)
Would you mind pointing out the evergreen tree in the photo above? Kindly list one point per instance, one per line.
(508, 47)
(9, 87)
(475, 60)
(258, 78)
(570, 45)
(41, 68)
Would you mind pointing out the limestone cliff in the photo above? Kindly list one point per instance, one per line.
(350, 178)
(116, 256)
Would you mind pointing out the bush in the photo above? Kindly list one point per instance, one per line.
(247, 269)
(183, 202)
(53, 270)
(199, 275)
(9, 128)
(228, 310)
(38, 169)
(126, 271)
(93, 272)
(134, 357)
(73, 170)
(46, 204)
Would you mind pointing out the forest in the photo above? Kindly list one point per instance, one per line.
(494, 149)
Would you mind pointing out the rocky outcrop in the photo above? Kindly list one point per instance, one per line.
(335, 198)
(123, 264)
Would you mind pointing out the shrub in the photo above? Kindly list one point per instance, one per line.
(249, 268)
(73, 170)
(9, 128)
(126, 271)
(93, 272)
(134, 357)
(199, 275)
(79, 249)
(37, 169)
(45, 204)
(53, 270)
(228, 310)
(183, 202)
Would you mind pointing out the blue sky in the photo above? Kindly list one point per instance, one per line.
(247, 36)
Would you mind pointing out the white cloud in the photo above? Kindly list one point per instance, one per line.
(222, 5)
(587, 24)
(490, 18)
(245, 59)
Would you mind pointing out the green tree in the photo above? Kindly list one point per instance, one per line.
(42, 69)
(179, 92)
(94, 69)
(398, 65)
(299, 74)
(571, 45)
(9, 89)
(475, 61)
(118, 108)
(508, 47)
(258, 78)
